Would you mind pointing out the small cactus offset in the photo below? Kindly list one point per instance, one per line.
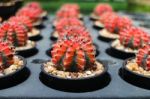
(143, 57)
(14, 33)
(102, 8)
(134, 37)
(116, 24)
(6, 55)
(22, 20)
(73, 55)
(66, 22)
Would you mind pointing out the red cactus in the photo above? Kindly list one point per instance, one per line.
(66, 22)
(6, 55)
(14, 33)
(143, 57)
(72, 6)
(116, 24)
(102, 8)
(134, 37)
(74, 31)
(73, 55)
(23, 20)
(67, 13)
(34, 5)
(106, 16)
(33, 14)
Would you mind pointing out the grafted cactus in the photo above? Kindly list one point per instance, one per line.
(134, 38)
(116, 24)
(14, 33)
(73, 55)
(102, 8)
(143, 57)
(6, 55)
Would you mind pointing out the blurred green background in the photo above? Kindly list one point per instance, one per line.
(87, 6)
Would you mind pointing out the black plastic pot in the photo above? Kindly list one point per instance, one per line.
(38, 24)
(81, 17)
(134, 78)
(7, 10)
(93, 18)
(145, 24)
(35, 38)
(96, 26)
(16, 77)
(18, 4)
(28, 52)
(44, 15)
(53, 38)
(80, 84)
(106, 39)
(119, 53)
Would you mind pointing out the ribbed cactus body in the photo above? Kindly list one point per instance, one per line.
(22, 20)
(66, 22)
(73, 55)
(32, 13)
(6, 55)
(68, 11)
(74, 31)
(14, 33)
(143, 57)
(102, 8)
(106, 17)
(134, 38)
(115, 24)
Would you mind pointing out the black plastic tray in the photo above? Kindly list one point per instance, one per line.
(117, 87)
